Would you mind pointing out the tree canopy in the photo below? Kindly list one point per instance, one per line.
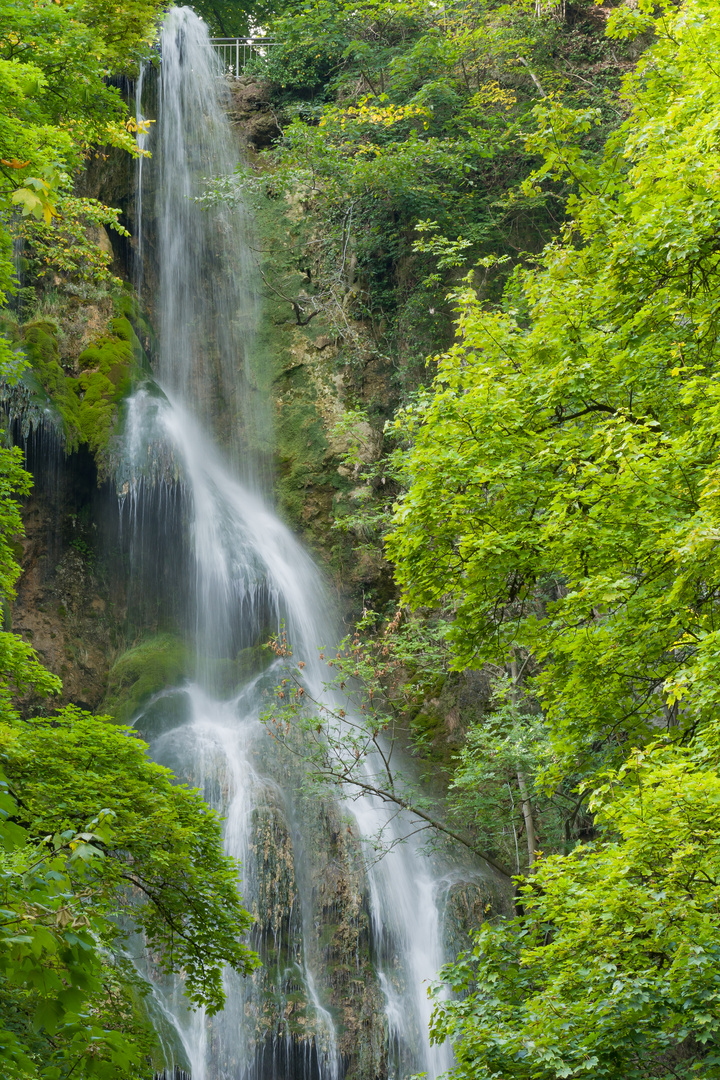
(560, 479)
(58, 106)
(561, 498)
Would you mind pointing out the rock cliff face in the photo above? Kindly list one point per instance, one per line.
(63, 607)
(85, 355)
(252, 113)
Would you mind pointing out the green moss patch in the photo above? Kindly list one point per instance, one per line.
(87, 403)
(155, 664)
(128, 305)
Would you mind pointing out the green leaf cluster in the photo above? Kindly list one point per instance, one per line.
(100, 844)
(57, 106)
(612, 971)
(561, 479)
(561, 497)
(163, 866)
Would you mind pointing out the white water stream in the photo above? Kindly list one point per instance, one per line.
(245, 575)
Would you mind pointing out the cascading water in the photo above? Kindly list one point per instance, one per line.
(187, 467)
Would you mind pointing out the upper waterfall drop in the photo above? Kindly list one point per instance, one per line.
(207, 298)
(348, 944)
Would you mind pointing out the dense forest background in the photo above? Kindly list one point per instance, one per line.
(488, 241)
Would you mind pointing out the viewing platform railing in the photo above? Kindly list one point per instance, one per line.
(236, 53)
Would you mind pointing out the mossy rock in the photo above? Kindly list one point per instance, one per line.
(88, 404)
(41, 346)
(225, 676)
(128, 305)
(40, 343)
(155, 664)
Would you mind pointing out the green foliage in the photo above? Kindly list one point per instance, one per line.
(561, 479)
(56, 104)
(164, 865)
(153, 665)
(237, 18)
(52, 964)
(613, 969)
(100, 842)
(561, 496)
(62, 244)
(484, 792)
(72, 891)
(399, 114)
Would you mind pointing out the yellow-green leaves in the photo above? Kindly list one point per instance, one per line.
(564, 495)
(373, 111)
(56, 106)
(564, 472)
(613, 970)
(35, 197)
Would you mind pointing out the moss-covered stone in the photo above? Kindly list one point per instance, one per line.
(127, 305)
(156, 663)
(225, 676)
(106, 374)
(87, 402)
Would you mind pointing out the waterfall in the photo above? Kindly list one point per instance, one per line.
(193, 496)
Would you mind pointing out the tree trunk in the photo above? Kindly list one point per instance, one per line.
(528, 816)
(522, 783)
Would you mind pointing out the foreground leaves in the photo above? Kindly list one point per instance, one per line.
(562, 474)
(614, 970)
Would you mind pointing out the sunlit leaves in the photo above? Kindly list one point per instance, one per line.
(613, 970)
(563, 495)
(56, 105)
(561, 478)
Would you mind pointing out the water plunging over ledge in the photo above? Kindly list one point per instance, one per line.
(188, 465)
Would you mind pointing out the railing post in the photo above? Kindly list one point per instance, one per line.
(225, 47)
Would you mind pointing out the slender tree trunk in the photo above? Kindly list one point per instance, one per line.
(528, 816)
(522, 783)
(533, 76)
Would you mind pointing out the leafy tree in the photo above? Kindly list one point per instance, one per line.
(238, 18)
(560, 477)
(56, 986)
(400, 113)
(562, 497)
(57, 107)
(166, 844)
(613, 969)
(492, 790)
(95, 833)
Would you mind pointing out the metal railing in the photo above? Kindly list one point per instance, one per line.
(236, 53)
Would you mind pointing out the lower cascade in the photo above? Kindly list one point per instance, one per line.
(349, 942)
